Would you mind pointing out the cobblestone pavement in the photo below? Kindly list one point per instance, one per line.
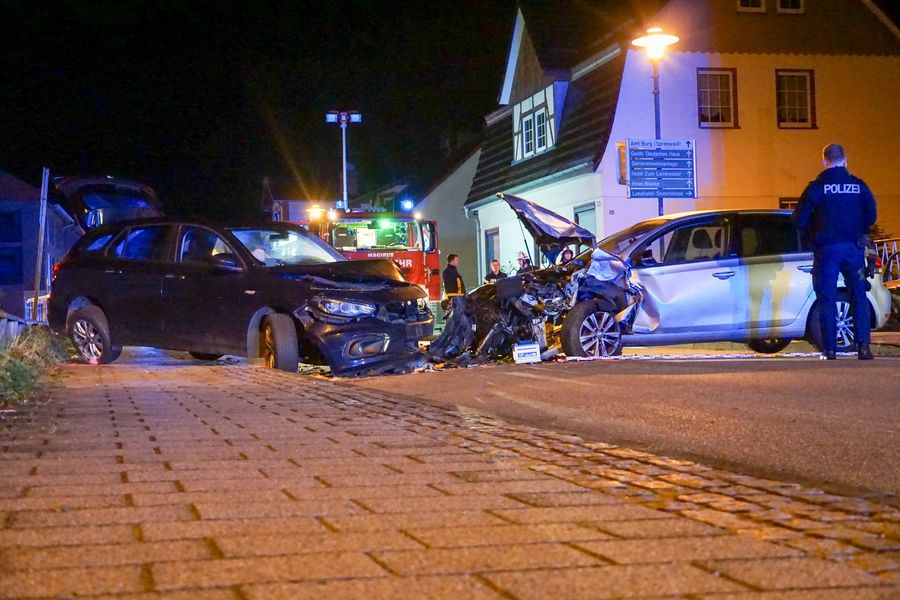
(165, 480)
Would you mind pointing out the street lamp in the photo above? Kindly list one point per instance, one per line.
(342, 117)
(655, 43)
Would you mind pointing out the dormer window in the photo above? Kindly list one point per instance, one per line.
(534, 125)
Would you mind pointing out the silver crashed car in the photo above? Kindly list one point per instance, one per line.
(714, 276)
(706, 276)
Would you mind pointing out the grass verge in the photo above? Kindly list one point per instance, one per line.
(29, 358)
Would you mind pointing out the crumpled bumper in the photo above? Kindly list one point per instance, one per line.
(368, 346)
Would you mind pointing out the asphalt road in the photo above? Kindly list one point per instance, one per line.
(831, 424)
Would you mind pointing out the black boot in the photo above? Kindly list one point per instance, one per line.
(863, 352)
(829, 355)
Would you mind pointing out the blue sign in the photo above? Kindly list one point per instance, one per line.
(661, 168)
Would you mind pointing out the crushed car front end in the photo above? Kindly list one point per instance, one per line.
(368, 334)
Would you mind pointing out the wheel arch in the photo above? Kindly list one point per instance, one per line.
(254, 329)
(873, 316)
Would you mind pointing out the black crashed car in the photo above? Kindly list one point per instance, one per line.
(268, 290)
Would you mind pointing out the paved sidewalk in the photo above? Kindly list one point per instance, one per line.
(166, 480)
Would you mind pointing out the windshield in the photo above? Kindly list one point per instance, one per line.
(276, 247)
(381, 234)
(620, 242)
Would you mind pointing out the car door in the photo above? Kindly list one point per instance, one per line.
(693, 279)
(132, 284)
(203, 302)
(778, 271)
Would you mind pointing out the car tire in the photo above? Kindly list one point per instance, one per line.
(279, 343)
(205, 356)
(590, 329)
(846, 335)
(89, 332)
(769, 345)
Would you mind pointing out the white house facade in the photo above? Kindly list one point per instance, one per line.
(759, 85)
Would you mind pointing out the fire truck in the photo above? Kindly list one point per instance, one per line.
(409, 241)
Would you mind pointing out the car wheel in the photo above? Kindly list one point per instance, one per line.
(846, 337)
(768, 346)
(205, 356)
(591, 329)
(279, 344)
(89, 333)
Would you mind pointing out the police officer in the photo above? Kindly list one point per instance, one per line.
(495, 273)
(453, 282)
(836, 211)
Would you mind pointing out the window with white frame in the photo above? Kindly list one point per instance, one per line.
(751, 5)
(717, 98)
(528, 135)
(795, 98)
(540, 130)
(790, 6)
(534, 125)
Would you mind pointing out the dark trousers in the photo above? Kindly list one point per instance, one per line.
(849, 261)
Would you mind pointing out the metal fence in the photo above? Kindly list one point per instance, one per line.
(889, 251)
(11, 327)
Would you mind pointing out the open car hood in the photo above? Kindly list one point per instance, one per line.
(95, 201)
(549, 230)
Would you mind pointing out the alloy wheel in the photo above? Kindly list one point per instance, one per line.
(87, 339)
(599, 337)
(845, 334)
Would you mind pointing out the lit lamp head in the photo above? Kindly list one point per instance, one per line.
(406, 205)
(315, 213)
(655, 42)
(332, 214)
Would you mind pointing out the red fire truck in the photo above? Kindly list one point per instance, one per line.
(412, 243)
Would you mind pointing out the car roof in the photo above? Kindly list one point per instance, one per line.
(730, 211)
(237, 224)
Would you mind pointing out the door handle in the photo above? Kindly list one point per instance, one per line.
(113, 272)
(173, 276)
(806, 268)
(723, 274)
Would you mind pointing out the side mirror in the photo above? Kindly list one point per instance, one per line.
(226, 262)
(645, 258)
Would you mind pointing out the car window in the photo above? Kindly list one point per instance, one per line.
(691, 242)
(142, 243)
(98, 244)
(199, 245)
(767, 235)
(620, 242)
(274, 247)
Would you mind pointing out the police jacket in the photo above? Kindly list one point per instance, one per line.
(835, 208)
(453, 283)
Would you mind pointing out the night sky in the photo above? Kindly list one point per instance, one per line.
(202, 100)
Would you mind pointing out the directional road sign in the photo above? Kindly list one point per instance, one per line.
(661, 168)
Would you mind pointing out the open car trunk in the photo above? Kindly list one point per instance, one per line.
(95, 201)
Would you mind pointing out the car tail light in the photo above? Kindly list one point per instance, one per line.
(878, 264)
(55, 272)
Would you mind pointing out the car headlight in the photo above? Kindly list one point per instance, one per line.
(344, 308)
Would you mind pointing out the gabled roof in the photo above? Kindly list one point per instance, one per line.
(587, 121)
(14, 189)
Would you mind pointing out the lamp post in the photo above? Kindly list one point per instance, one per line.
(655, 43)
(343, 117)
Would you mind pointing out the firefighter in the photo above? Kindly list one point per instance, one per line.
(836, 211)
(453, 282)
(495, 273)
(525, 265)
